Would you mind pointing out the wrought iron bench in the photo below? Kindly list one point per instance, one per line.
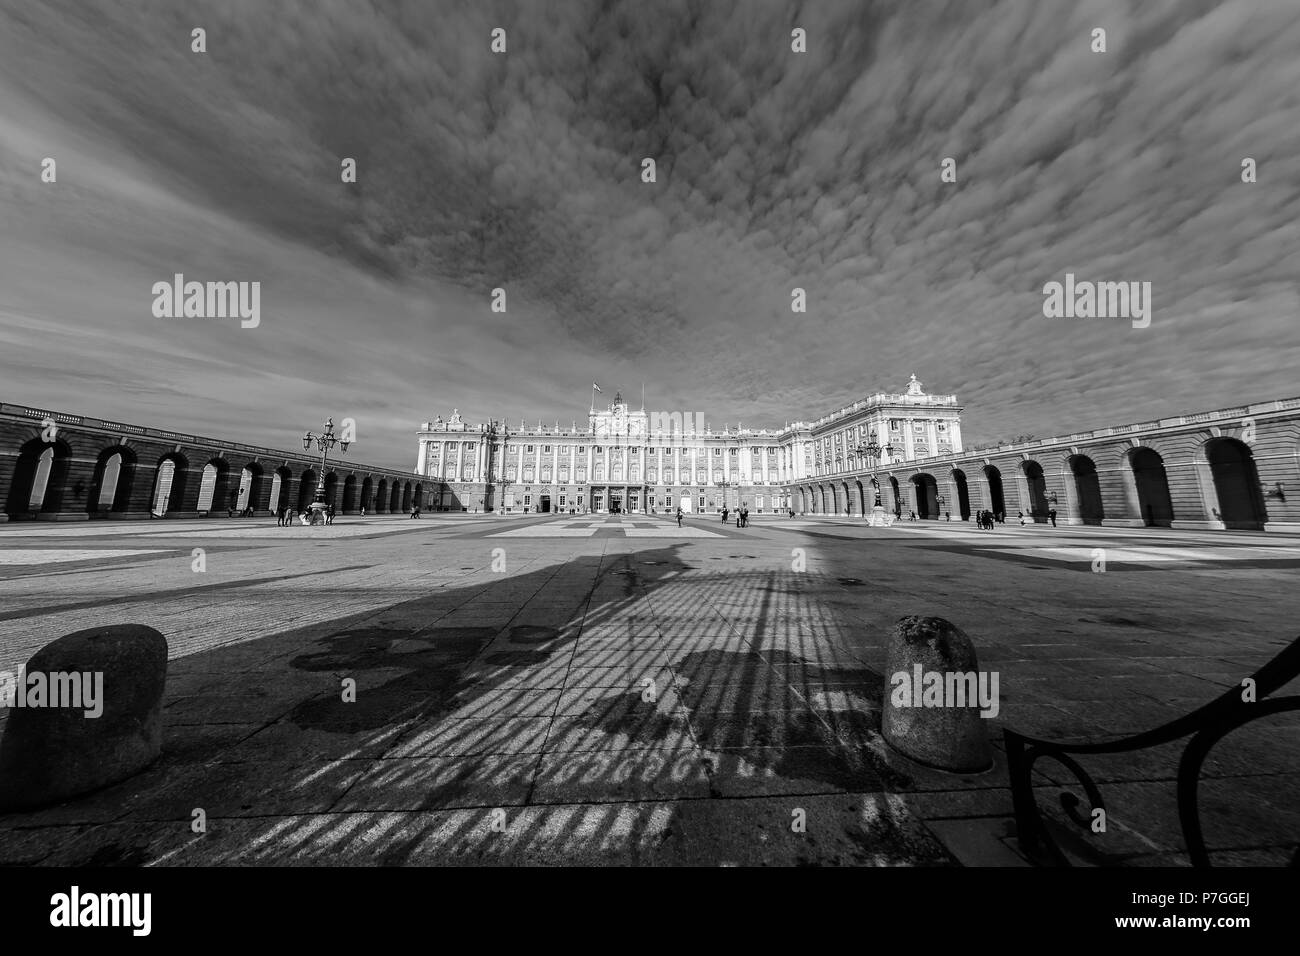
(1206, 726)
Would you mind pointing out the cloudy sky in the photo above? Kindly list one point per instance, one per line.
(776, 170)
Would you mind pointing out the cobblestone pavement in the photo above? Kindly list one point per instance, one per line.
(591, 689)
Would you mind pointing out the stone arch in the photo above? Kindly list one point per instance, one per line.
(331, 488)
(281, 484)
(406, 497)
(1155, 503)
(214, 492)
(252, 481)
(349, 494)
(847, 499)
(381, 496)
(114, 477)
(170, 477)
(419, 496)
(39, 477)
(898, 496)
(1087, 489)
(1036, 483)
(997, 499)
(862, 496)
(395, 498)
(1236, 484)
(306, 489)
(963, 493)
(926, 491)
(367, 492)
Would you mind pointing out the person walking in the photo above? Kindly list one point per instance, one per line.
(679, 516)
(725, 512)
(744, 516)
(1022, 519)
(329, 514)
(1052, 514)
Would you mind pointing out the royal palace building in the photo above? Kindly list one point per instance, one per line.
(651, 462)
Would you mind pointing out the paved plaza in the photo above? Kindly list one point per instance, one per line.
(615, 690)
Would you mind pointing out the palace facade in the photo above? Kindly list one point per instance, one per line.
(647, 462)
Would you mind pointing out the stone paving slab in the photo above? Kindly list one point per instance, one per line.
(525, 691)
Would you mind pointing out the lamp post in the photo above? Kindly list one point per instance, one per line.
(871, 451)
(324, 442)
(724, 485)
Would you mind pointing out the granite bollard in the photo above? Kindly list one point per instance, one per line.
(85, 712)
(935, 695)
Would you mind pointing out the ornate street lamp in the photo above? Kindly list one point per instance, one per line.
(324, 442)
(871, 451)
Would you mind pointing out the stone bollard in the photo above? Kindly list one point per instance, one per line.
(934, 696)
(54, 745)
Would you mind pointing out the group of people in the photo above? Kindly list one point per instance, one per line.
(742, 516)
(984, 519)
(415, 511)
(284, 517)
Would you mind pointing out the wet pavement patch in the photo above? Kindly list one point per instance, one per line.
(432, 661)
(517, 658)
(532, 634)
(852, 582)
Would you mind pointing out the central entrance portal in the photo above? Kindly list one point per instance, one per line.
(634, 501)
(546, 504)
(615, 502)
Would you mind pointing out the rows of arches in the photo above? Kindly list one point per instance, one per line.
(118, 483)
(1231, 492)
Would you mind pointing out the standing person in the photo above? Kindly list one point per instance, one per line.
(679, 516)
(1022, 519)
(725, 511)
(329, 514)
(363, 511)
(1052, 514)
(744, 516)
(947, 516)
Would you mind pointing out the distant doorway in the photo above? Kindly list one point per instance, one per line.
(1236, 484)
(615, 504)
(545, 504)
(1154, 500)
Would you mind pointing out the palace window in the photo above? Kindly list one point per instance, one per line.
(562, 501)
(582, 449)
(599, 450)
(530, 449)
(718, 451)
(546, 449)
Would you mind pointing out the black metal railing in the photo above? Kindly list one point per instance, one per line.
(1205, 726)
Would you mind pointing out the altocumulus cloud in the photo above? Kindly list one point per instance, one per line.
(775, 170)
